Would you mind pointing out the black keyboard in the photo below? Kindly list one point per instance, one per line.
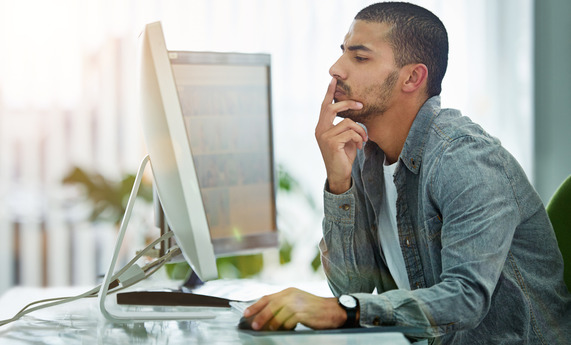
(171, 298)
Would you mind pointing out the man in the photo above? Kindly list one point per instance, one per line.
(422, 205)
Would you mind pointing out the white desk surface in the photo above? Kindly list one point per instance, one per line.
(80, 322)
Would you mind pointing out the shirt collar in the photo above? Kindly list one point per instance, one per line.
(413, 149)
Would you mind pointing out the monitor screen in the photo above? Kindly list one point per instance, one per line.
(207, 125)
(225, 100)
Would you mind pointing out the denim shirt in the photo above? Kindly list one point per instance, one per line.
(480, 252)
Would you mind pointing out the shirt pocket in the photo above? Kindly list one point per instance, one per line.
(431, 236)
(433, 229)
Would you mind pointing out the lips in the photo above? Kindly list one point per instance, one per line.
(339, 93)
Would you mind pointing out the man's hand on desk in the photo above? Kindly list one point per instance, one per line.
(285, 309)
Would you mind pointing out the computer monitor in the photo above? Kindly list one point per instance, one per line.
(207, 124)
(206, 119)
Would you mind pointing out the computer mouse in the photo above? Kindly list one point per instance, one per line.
(246, 322)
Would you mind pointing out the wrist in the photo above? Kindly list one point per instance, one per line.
(338, 187)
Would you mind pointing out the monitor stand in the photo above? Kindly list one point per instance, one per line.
(122, 316)
(192, 282)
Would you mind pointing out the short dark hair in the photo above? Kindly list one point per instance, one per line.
(416, 36)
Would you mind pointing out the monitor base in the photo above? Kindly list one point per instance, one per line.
(121, 316)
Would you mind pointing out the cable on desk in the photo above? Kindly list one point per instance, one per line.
(149, 269)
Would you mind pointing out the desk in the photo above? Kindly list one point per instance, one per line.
(80, 322)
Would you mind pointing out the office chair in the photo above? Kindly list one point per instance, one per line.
(559, 211)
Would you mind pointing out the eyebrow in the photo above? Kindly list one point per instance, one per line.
(356, 47)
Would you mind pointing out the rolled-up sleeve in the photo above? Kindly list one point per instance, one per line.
(347, 247)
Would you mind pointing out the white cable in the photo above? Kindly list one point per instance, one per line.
(151, 267)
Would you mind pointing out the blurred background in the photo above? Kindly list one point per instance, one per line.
(70, 138)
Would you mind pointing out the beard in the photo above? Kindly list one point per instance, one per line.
(381, 94)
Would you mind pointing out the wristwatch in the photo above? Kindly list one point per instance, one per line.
(350, 304)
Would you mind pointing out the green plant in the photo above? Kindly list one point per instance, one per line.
(109, 198)
(288, 184)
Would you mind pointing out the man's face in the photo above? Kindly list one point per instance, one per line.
(366, 71)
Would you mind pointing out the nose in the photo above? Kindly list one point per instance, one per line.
(336, 70)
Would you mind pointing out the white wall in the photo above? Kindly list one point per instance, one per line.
(67, 98)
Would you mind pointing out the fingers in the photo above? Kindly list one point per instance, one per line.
(342, 143)
(285, 309)
(264, 311)
(338, 147)
(329, 113)
(273, 312)
(329, 94)
(280, 317)
(329, 109)
(269, 318)
(348, 125)
(350, 136)
(256, 307)
(290, 323)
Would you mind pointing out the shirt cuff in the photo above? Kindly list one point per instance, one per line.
(339, 207)
(375, 310)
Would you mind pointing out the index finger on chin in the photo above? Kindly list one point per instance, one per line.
(326, 117)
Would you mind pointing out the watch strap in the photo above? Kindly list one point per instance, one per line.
(351, 321)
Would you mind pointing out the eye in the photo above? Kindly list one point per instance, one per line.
(361, 59)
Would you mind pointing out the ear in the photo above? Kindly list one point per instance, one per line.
(417, 77)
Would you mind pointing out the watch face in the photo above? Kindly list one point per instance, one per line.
(348, 301)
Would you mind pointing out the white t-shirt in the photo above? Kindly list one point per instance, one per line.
(388, 230)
